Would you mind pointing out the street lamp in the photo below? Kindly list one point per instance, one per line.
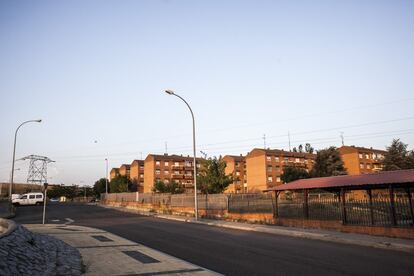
(14, 156)
(170, 92)
(106, 178)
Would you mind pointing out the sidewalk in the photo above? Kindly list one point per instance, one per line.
(104, 253)
(315, 234)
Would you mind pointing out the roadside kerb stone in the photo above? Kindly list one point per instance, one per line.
(6, 227)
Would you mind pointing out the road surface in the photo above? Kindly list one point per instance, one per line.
(229, 251)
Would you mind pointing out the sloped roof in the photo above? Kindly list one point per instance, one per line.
(372, 179)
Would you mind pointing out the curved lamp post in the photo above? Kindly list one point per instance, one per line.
(170, 92)
(14, 154)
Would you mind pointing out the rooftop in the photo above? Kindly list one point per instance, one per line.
(347, 181)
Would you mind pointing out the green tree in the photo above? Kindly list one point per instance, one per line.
(292, 173)
(120, 184)
(84, 191)
(100, 187)
(328, 162)
(308, 148)
(172, 187)
(398, 157)
(212, 178)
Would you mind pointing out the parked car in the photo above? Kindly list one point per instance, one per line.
(55, 199)
(14, 196)
(29, 199)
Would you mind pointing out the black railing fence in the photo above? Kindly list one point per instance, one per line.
(380, 209)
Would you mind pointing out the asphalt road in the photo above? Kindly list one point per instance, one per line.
(228, 251)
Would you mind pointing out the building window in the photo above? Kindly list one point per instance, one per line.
(268, 158)
(141, 175)
(166, 164)
(360, 156)
(286, 159)
(176, 172)
(366, 156)
(297, 160)
(176, 164)
(361, 165)
(277, 179)
(269, 179)
(368, 166)
(269, 168)
(157, 172)
(188, 164)
(157, 163)
(166, 172)
(237, 164)
(277, 159)
(166, 181)
(237, 173)
(141, 167)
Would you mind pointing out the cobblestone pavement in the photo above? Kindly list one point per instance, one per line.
(25, 253)
(106, 254)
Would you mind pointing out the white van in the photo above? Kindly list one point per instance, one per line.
(29, 199)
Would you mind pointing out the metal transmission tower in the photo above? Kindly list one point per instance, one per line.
(37, 169)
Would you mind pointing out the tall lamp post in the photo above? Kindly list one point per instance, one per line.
(170, 92)
(106, 178)
(14, 156)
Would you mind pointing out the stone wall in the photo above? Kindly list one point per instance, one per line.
(25, 253)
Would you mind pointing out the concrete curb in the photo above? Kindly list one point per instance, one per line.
(283, 232)
(6, 227)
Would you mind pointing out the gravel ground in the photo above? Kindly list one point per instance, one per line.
(25, 253)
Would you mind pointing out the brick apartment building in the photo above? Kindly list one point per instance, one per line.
(114, 173)
(359, 160)
(137, 174)
(265, 166)
(168, 168)
(236, 165)
(125, 170)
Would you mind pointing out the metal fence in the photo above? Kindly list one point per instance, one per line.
(250, 203)
(374, 211)
(378, 210)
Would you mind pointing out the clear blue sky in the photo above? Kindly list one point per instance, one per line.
(96, 71)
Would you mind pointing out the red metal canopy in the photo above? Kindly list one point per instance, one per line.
(373, 179)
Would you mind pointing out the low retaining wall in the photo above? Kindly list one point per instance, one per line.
(25, 253)
(393, 232)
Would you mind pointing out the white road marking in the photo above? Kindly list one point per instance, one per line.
(55, 220)
(69, 221)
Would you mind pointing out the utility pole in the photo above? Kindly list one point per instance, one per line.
(289, 140)
(106, 177)
(264, 141)
(342, 138)
(44, 202)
